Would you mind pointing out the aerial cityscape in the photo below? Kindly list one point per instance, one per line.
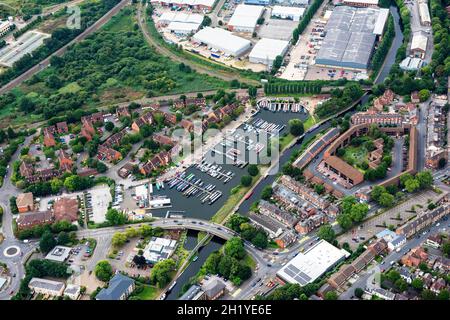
(224, 150)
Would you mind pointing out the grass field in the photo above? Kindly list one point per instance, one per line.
(149, 293)
(355, 155)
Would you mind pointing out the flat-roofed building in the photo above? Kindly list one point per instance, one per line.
(5, 27)
(58, 254)
(223, 41)
(361, 3)
(245, 17)
(291, 13)
(159, 249)
(266, 51)
(308, 266)
(72, 291)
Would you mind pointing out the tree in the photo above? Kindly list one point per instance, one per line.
(234, 248)
(444, 295)
(401, 284)
(115, 217)
(393, 276)
(319, 188)
(260, 240)
(296, 127)
(386, 199)
(267, 192)
(109, 126)
(246, 181)
(425, 179)
(119, 239)
(161, 272)
(344, 221)
(253, 170)
(47, 242)
(326, 233)
(424, 95)
(63, 238)
(412, 185)
(376, 192)
(359, 292)
(331, 295)
(417, 284)
(103, 270)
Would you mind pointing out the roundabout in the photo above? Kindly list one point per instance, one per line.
(11, 251)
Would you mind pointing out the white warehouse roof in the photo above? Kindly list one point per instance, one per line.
(246, 16)
(294, 13)
(423, 12)
(419, 42)
(222, 40)
(183, 27)
(266, 50)
(366, 2)
(173, 16)
(382, 17)
(310, 265)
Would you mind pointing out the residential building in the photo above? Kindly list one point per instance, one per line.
(72, 291)
(273, 227)
(286, 239)
(414, 257)
(25, 202)
(109, 154)
(213, 288)
(65, 161)
(274, 211)
(304, 192)
(434, 241)
(46, 287)
(382, 118)
(66, 209)
(119, 288)
(31, 219)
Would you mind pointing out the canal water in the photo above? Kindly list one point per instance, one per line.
(194, 267)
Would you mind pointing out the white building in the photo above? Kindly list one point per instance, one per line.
(58, 254)
(72, 291)
(291, 13)
(222, 40)
(393, 240)
(424, 14)
(266, 50)
(205, 5)
(5, 26)
(419, 45)
(308, 266)
(182, 28)
(159, 249)
(245, 17)
(176, 16)
(47, 287)
(361, 3)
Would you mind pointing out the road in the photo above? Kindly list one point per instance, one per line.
(365, 279)
(224, 75)
(46, 62)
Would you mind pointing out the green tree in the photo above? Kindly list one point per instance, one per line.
(235, 248)
(103, 270)
(63, 238)
(359, 292)
(425, 179)
(424, 95)
(246, 181)
(47, 242)
(412, 185)
(115, 217)
(331, 295)
(109, 126)
(326, 233)
(267, 192)
(417, 284)
(161, 272)
(296, 127)
(386, 199)
(253, 170)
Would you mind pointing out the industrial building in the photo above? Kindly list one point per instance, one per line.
(205, 5)
(291, 13)
(419, 45)
(180, 23)
(308, 266)
(258, 2)
(424, 14)
(361, 3)
(245, 17)
(411, 64)
(26, 44)
(222, 40)
(303, 3)
(350, 38)
(266, 50)
(159, 249)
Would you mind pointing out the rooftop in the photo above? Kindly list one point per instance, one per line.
(118, 286)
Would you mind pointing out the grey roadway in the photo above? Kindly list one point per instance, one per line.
(14, 264)
(46, 62)
(365, 279)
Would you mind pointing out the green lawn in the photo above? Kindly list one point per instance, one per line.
(355, 155)
(149, 293)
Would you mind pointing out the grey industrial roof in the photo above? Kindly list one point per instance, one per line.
(191, 292)
(213, 287)
(118, 285)
(350, 36)
(46, 284)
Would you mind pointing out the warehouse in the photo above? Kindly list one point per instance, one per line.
(205, 5)
(308, 266)
(258, 2)
(222, 40)
(424, 14)
(266, 50)
(291, 13)
(419, 45)
(182, 28)
(361, 3)
(245, 18)
(174, 16)
(350, 38)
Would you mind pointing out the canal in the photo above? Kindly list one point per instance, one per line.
(194, 267)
